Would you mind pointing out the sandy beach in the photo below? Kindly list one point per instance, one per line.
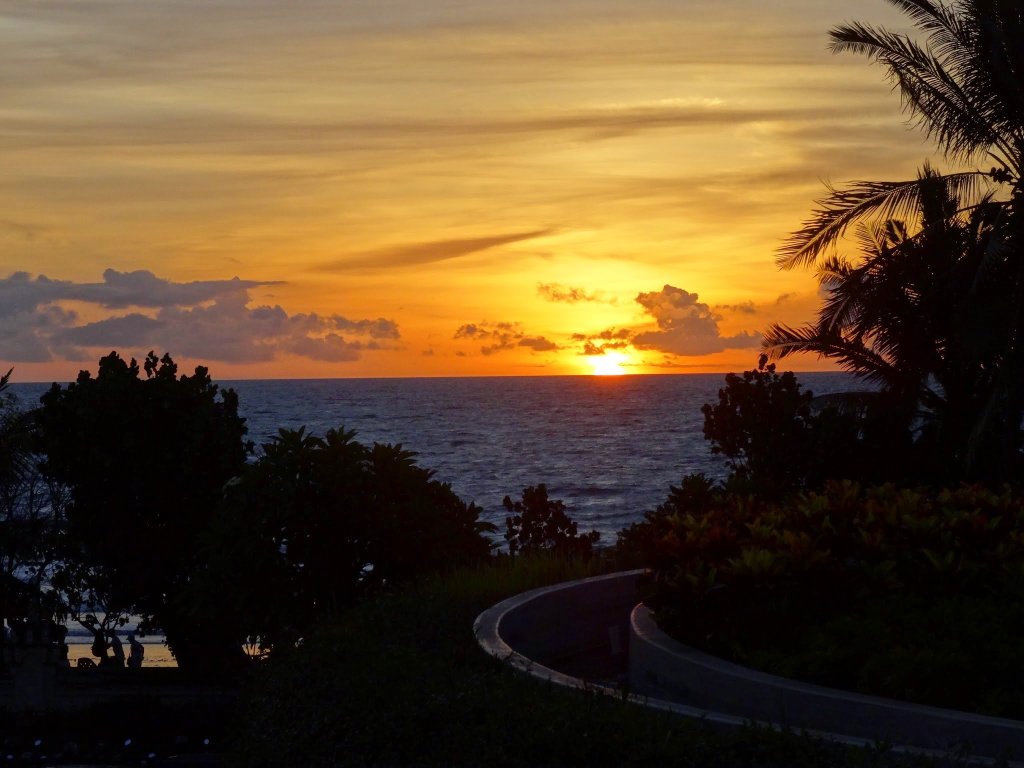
(157, 654)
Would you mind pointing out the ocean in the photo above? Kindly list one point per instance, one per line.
(608, 446)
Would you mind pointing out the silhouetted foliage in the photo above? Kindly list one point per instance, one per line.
(639, 545)
(317, 522)
(910, 316)
(961, 84)
(538, 523)
(739, 575)
(31, 509)
(145, 459)
(776, 441)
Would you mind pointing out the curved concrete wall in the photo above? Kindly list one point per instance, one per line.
(557, 632)
(662, 667)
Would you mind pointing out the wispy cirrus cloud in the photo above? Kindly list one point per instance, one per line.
(428, 253)
(564, 294)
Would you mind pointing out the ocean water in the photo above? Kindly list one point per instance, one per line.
(609, 447)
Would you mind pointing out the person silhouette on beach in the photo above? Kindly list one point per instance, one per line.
(118, 649)
(99, 646)
(135, 652)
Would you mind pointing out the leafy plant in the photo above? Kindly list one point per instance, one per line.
(749, 578)
(318, 522)
(775, 441)
(538, 523)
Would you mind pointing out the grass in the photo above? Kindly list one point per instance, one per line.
(402, 681)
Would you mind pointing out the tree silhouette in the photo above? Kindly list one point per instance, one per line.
(909, 315)
(318, 522)
(538, 524)
(963, 87)
(146, 460)
(31, 509)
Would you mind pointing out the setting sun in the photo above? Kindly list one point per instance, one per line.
(608, 364)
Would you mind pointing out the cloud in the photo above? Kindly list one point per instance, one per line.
(208, 320)
(431, 252)
(610, 338)
(127, 330)
(686, 326)
(743, 308)
(538, 344)
(119, 290)
(609, 334)
(501, 336)
(569, 295)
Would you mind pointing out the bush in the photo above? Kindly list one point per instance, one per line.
(31, 509)
(317, 522)
(777, 442)
(538, 524)
(739, 576)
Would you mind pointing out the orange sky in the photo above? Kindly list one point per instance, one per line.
(421, 187)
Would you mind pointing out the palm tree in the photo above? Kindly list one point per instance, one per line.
(908, 316)
(964, 87)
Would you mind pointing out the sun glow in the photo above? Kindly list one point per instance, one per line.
(608, 364)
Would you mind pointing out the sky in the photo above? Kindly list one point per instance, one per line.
(422, 187)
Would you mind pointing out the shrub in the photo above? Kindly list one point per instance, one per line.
(777, 442)
(737, 574)
(538, 523)
(30, 515)
(317, 522)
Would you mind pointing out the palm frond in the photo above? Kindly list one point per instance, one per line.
(780, 341)
(938, 99)
(871, 236)
(999, 70)
(934, 18)
(862, 200)
(996, 252)
(949, 35)
(844, 301)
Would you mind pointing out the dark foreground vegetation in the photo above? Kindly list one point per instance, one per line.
(349, 633)
(873, 540)
(909, 593)
(401, 681)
